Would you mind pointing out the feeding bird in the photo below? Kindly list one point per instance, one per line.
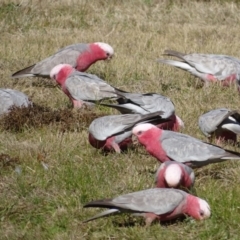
(172, 174)
(114, 131)
(161, 204)
(222, 124)
(208, 67)
(80, 56)
(173, 146)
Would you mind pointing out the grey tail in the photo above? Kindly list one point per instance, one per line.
(174, 54)
(232, 155)
(103, 214)
(26, 72)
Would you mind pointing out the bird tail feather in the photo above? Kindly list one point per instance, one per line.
(103, 214)
(174, 53)
(26, 72)
(177, 64)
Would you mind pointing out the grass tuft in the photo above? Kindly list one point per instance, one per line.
(21, 118)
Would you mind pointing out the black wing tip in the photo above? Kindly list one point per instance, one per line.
(23, 71)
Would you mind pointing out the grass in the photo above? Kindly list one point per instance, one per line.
(48, 170)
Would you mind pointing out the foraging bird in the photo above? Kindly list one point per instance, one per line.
(114, 131)
(174, 175)
(148, 103)
(172, 146)
(80, 56)
(10, 98)
(81, 88)
(154, 204)
(207, 67)
(222, 123)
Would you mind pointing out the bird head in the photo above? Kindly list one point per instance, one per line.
(141, 128)
(204, 209)
(107, 49)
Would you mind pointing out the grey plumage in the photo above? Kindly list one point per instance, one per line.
(186, 149)
(143, 103)
(11, 97)
(88, 87)
(200, 65)
(68, 54)
(155, 200)
(221, 118)
(107, 126)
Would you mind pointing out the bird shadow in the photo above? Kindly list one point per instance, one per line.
(131, 222)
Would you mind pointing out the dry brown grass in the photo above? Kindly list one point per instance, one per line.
(60, 171)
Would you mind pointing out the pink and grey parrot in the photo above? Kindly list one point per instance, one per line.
(80, 56)
(148, 103)
(222, 124)
(160, 204)
(172, 174)
(207, 67)
(114, 131)
(172, 146)
(81, 88)
(10, 98)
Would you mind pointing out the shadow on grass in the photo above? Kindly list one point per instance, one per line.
(136, 222)
(20, 118)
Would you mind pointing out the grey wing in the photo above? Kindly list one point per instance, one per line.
(164, 104)
(183, 148)
(66, 55)
(104, 127)
(210, 121)
(153, 103)
(155, 200)
(219, 66)
(88, 89)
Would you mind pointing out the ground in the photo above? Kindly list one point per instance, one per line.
(48, 168)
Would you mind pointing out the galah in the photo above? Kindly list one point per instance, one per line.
(222, 124)
(10, 98)
(80, 56)
(148, 103)
(172, 146)
(208, 67)
(172, 174)
(160, 204)
(81, 88)
(114, 131)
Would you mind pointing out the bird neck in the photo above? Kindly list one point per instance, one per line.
(151, 141)
(192, 207)
(63, 75)
(86, 59)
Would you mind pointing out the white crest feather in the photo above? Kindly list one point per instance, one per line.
(173, 175)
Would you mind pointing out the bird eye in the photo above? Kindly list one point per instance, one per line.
(108, 54)
(139, 132)
(201, 213)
